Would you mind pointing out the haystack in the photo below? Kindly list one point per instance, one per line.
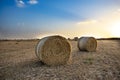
(53, 50)
(75, 38)
(87, 44)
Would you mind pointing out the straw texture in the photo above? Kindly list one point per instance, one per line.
(53, 50)
(87, 44)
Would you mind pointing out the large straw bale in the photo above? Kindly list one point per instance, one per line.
(53, 50)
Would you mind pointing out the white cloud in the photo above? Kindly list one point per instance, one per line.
(87, 22)
(20, 3)
(118, 10)
(32, 1)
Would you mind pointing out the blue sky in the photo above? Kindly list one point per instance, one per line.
(38, 18)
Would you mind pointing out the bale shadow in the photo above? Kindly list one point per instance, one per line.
(38, 64)
(33, 64)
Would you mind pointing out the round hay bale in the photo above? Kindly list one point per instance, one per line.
(76, 38)
(87, 44)
(53, 50)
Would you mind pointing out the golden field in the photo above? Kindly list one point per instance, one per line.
(19, 62)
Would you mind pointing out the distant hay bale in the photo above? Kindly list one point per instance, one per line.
(87, 44)
(76, 38)
(69, 39)
(53, 50)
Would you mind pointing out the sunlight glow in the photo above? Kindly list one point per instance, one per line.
(115, 29)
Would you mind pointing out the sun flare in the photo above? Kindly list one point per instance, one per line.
(115, 30)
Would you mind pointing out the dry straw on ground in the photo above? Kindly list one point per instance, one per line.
(87, 44)
(53, 50)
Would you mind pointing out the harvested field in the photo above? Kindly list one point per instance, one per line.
(19, 62)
